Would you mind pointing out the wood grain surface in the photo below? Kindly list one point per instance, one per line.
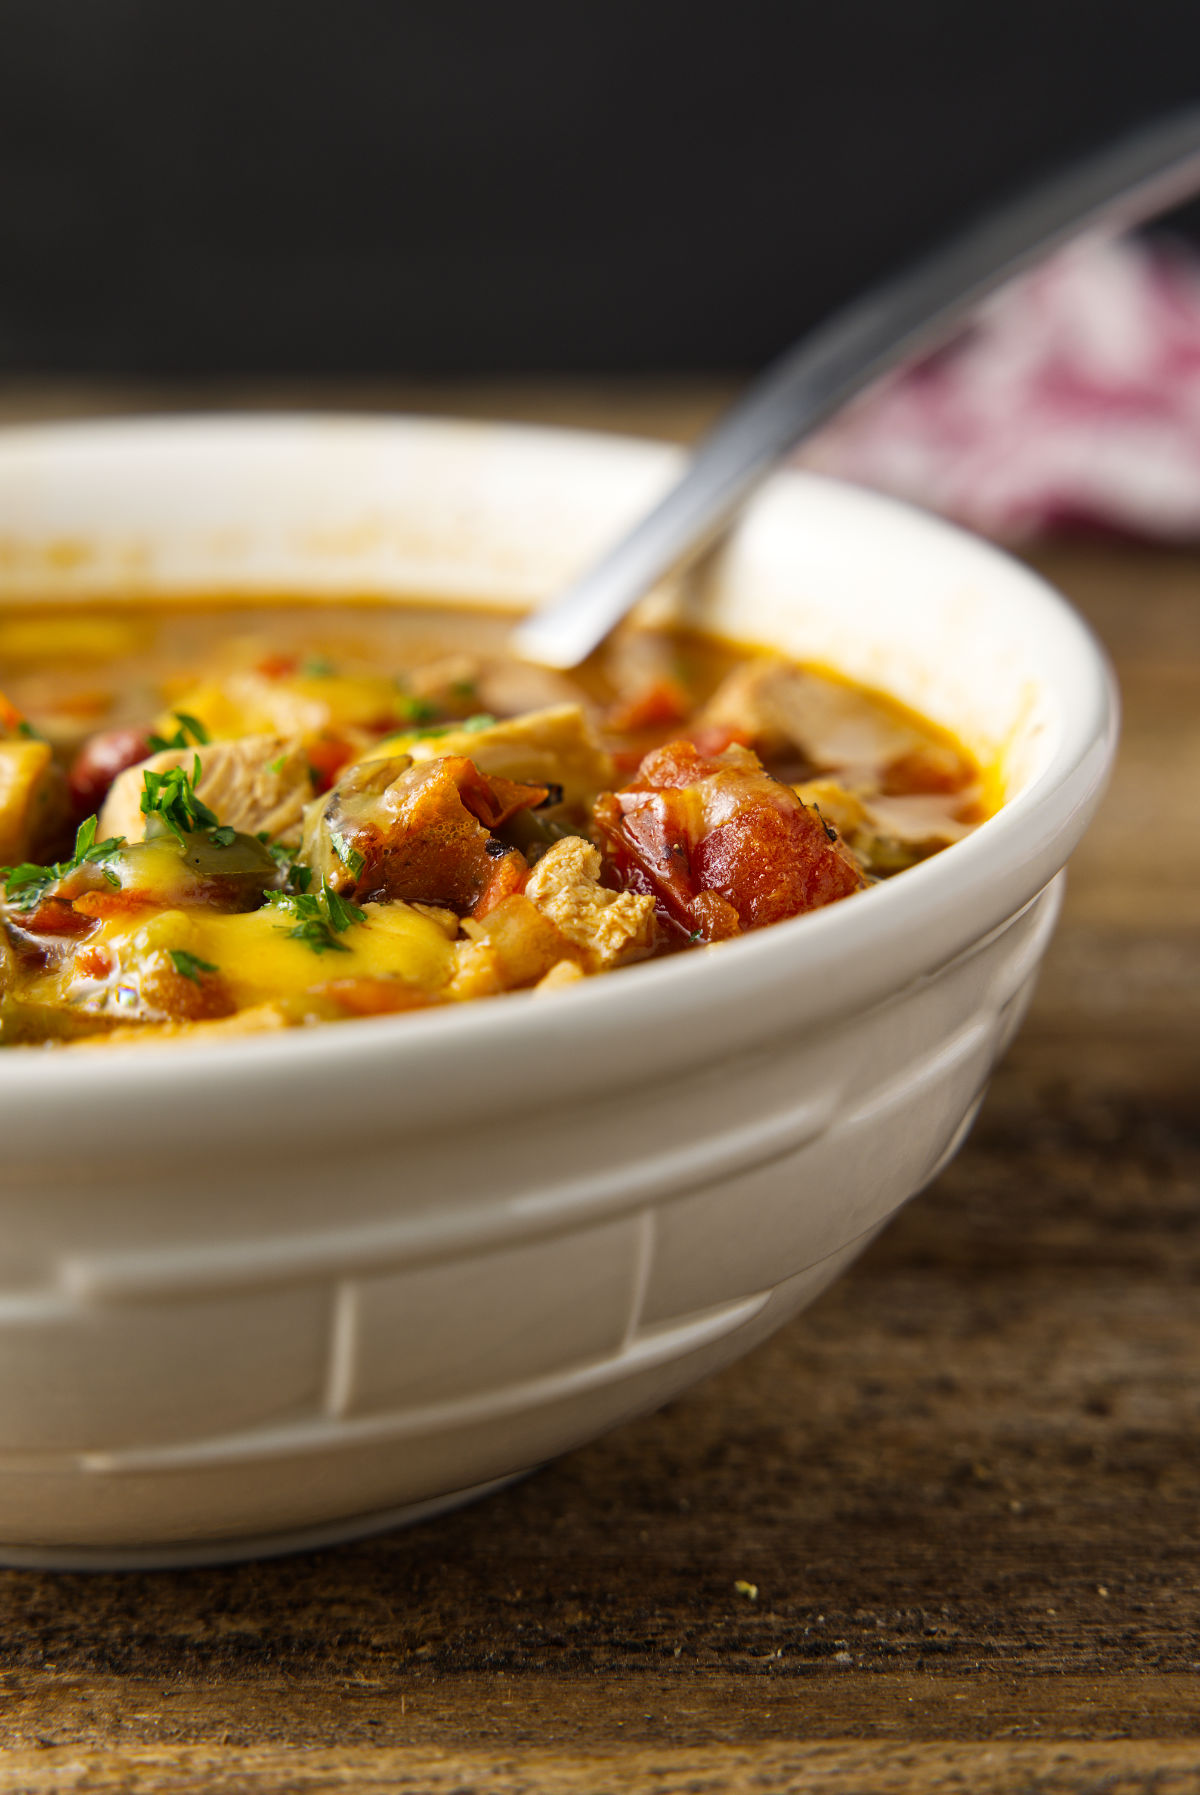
(965, 1487)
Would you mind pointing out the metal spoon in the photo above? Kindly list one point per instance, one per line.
(1141, 174)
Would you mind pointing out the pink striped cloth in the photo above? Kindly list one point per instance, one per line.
(1072, 400)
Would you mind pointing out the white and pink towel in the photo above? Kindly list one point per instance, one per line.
(1072, 400)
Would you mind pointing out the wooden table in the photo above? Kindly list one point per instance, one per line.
(964, 1485)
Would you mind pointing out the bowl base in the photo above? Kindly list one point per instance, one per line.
(180, 1554)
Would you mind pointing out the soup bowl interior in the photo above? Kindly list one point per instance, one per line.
(280, 1290)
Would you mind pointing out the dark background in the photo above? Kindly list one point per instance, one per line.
(428, 186)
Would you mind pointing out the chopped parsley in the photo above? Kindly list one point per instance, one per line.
(317, 667)
(188, 726)
(298, 876)
(172, 796)
(223, 837)
(190, 965)
(25, 728)
(349, 856)
(483, 720)
(320, 918)
(28, 884)
(277, 765)
(415, 710)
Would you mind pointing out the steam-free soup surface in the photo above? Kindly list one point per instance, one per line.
(225, 817)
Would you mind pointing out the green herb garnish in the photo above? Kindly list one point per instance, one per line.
(28, 884)
(298, 876)
(224, 837)
(320, 918)
(172, 796)
(188, 726)
(190, 965)
(483, 720)
(349, 856)
(415, 710)
(317, 667)
(277, 765)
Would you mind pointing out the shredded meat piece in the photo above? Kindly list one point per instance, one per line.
(720, 844)
(254, 783)
(788, 713)
(609, 928)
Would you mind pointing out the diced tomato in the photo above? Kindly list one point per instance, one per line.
(510, 875)
(714, 738)
(93, 962)
(277, 666)
(660, 706)
(327, 756)
(10, 716)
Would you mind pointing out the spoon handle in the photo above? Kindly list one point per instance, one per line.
(905, 316)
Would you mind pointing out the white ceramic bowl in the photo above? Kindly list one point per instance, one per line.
(290, 1289)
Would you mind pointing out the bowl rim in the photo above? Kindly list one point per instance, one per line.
(843, 958)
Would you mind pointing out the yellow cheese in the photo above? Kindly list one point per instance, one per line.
(258, 960)
(297, 704)
(27, 793)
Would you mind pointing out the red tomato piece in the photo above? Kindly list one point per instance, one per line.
(327, 756)
(277, 666)
(660, 706)
(94, 962)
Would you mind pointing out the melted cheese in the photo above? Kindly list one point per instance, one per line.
(257, 959)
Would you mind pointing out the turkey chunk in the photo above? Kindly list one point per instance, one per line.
(554, 747)
(257, 784)
(888, 834)
(607, 927)
(786, 712)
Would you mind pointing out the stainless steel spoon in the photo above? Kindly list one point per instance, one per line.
(1131, 180)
